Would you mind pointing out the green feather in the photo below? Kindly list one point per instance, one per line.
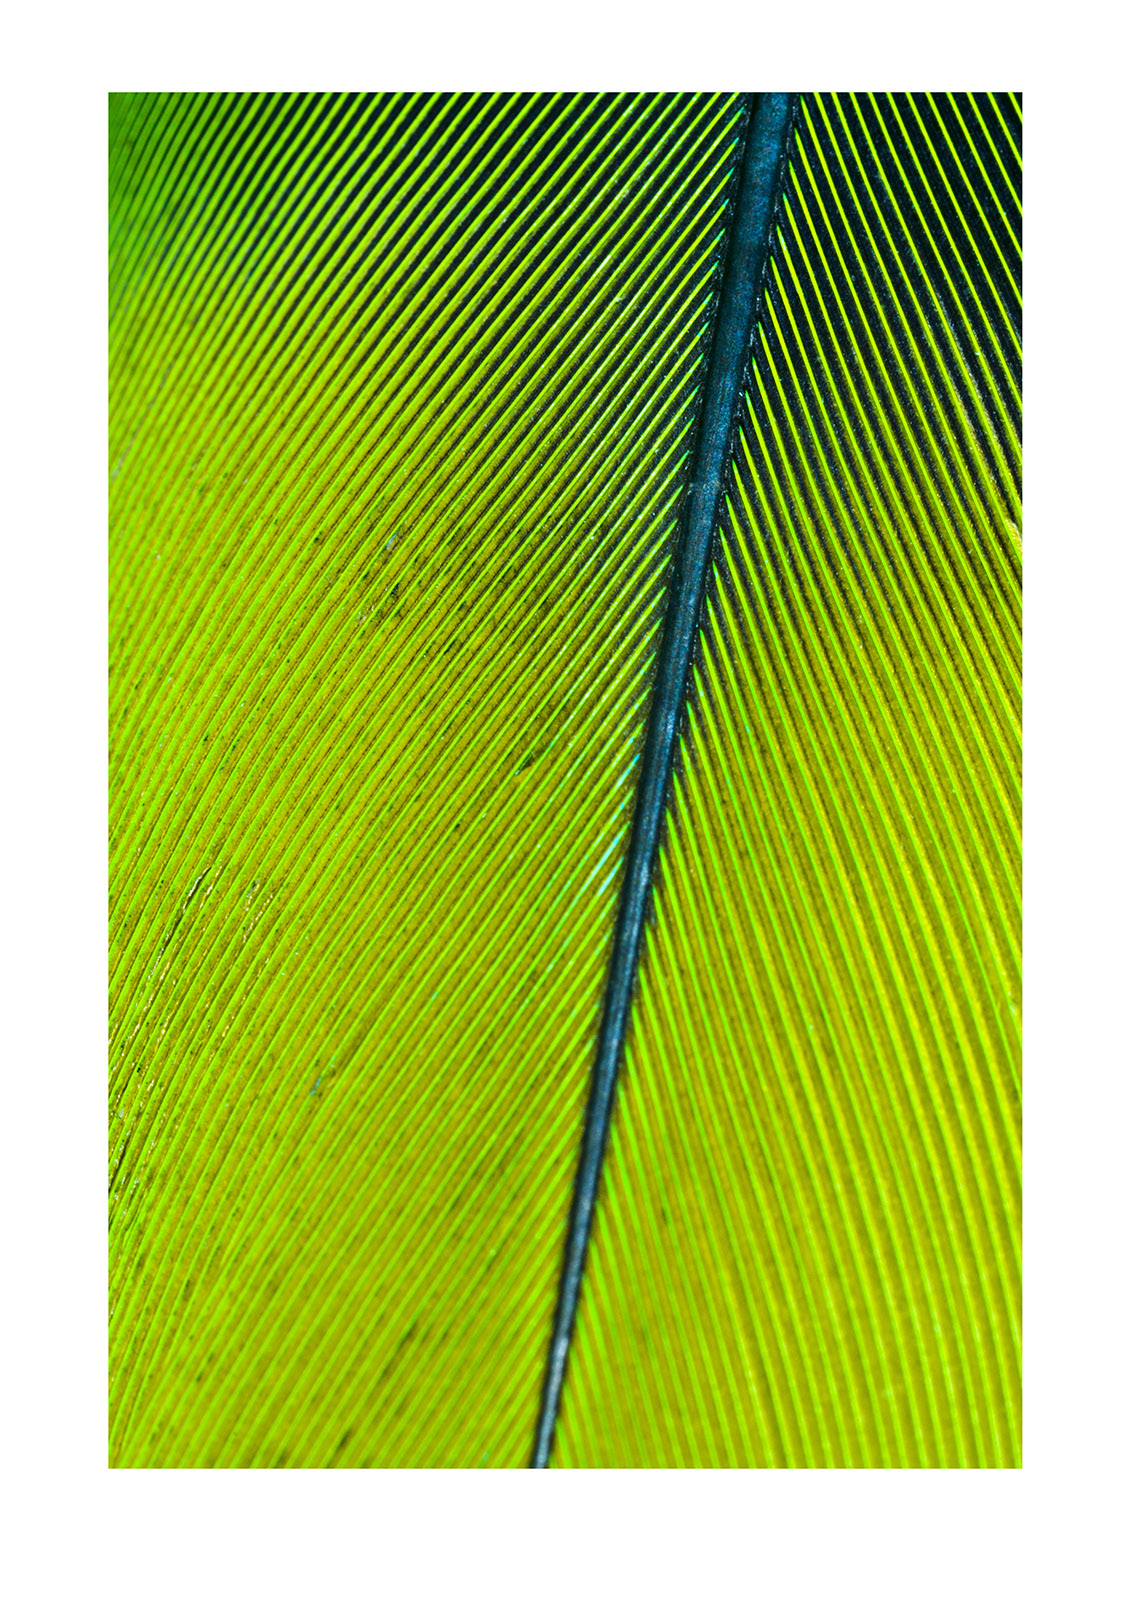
(809, 1248)
(403, 395)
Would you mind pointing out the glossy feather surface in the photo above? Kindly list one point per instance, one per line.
(808, 1248)
(400, 398)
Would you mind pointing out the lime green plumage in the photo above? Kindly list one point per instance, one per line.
(808, 1251)
(403, 392)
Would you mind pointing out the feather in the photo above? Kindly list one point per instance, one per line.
(401, 390)
(749, 234)
(807, 1251)
(404, 399)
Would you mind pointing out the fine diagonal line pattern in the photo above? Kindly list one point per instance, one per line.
(400, 402)
(770, 120)
(808, 1248)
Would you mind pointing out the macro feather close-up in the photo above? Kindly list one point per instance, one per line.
(565, 780)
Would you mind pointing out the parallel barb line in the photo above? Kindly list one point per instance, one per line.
(769, 123)
(243, 743)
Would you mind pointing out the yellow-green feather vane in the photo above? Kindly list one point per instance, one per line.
(808, 1249)
(404, 400)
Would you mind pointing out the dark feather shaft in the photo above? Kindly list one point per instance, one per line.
(766, 143)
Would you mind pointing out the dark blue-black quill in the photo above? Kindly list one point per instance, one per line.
(769, 123)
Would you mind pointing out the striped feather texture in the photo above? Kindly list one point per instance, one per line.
(808, 1248)
(401, 390)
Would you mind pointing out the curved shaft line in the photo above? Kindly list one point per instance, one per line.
(768, 128)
